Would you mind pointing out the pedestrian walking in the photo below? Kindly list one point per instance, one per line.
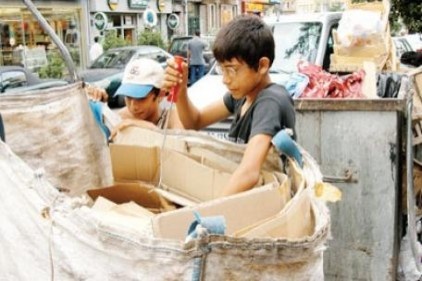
(196, 47)
(96, 49)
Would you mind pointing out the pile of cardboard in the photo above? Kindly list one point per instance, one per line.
(189, 169)
(151, 182)
(376, 48)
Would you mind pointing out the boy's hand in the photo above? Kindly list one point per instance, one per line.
(96, 93)
(173, 76)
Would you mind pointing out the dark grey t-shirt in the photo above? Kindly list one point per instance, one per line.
(272, 111)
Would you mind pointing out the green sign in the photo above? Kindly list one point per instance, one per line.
(138, 4)
(173, 21)
(100, 21)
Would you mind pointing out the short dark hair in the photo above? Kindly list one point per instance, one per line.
(197, 33)
(96, 39)
(246, 38)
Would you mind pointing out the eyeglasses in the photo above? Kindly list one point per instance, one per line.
(228, 71)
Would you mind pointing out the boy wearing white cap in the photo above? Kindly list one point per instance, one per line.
(141, 87)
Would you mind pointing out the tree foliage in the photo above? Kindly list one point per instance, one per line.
(410, 12)
(112, 40)
(55, 66)
(150, 37)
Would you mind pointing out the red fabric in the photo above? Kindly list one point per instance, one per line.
(323, 84)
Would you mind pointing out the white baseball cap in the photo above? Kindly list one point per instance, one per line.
(140, 77)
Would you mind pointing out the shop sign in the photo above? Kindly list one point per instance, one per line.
(113, 4)
(253, 7)
(100, 21)
(150, 18)
(161, 5)
(138, 4)
(262, 1)
(173, 21)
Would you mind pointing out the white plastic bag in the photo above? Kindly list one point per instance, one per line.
(353, 31)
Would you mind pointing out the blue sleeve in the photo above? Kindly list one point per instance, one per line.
(97, 111)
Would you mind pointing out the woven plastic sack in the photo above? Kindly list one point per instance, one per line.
(54, 236)
(54, 131)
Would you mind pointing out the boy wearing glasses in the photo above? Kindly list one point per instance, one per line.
(244, 49)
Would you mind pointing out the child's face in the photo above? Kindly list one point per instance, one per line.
(239, 78)
(143, 109)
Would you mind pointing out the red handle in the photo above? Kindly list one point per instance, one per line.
(173, 92)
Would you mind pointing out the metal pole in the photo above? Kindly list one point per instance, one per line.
(62, 48)
(186, 18)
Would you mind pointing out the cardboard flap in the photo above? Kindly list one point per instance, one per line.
(239, 210)
(130, 162)
(188, 177)
(126, 192)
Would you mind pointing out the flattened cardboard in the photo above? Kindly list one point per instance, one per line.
(239, 210)
(295, 221)
(134, 163)
(139, 193)
(182, 175)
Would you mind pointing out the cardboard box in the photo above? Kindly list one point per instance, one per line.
(196, 143)
(181, 174)
(239, 210)
(189, 178)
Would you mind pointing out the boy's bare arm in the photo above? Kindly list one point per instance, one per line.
(189, 115)
(247, 173)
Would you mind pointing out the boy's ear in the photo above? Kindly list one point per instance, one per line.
(264, 65)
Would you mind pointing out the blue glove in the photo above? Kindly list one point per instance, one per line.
(284, 144)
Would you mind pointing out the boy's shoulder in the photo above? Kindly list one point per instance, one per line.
(275, 89)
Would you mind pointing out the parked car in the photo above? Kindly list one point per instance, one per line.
(179, 47)
(107, 70)
(293, 43)
(17, 79)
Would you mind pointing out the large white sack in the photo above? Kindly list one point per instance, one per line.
(54, 130)
(50, 236)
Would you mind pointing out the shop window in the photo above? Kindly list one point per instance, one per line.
(23, 41)
(125, 27)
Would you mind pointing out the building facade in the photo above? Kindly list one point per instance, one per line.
(77, 22)
(24, 42)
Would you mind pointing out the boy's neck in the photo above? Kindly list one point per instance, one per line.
(251, 97)
(155, 118)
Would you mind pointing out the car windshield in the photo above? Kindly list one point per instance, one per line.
(113, 59)
(294, 42)
(158, 56)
